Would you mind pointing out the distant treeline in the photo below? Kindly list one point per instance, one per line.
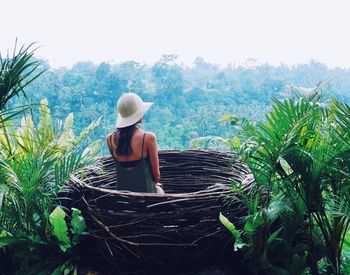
(188, 101)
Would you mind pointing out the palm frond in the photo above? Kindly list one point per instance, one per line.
(16, 72)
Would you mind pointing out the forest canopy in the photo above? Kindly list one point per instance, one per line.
(189, 102)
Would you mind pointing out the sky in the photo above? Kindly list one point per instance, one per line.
(220, 31)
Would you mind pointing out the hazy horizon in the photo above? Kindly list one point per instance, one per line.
(222, 32)
(249, 63)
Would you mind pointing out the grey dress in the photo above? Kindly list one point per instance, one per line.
(137, 179)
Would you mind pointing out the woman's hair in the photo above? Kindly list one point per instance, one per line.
(123, 140)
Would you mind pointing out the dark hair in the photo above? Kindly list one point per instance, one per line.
(123, 140)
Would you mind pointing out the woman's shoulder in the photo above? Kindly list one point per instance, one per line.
(150, 138)
(109, 137)
(150, 135)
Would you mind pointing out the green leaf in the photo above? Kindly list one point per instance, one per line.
(232, 119)
(285, 165)
(60, 229)
(253, 223)
(273, 236)
(16, 72)
(249, 227)
(5, 241)
(68, 123)
(78, 225)
(229, 225)
(67, 135)
(45, 126)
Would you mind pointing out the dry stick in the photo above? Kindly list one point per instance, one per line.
(126, 224)
(108, 230)
(202, 237)
(109, 249)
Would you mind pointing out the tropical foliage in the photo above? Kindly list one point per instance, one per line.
(299, 212)
(36, 159)
(16, 73)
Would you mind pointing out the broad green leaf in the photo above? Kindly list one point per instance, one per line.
(60, 229)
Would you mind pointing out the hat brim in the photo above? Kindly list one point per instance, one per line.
(123, 122)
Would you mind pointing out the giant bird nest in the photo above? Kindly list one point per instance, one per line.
(133, 232)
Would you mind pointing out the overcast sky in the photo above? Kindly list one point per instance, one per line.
(273, 31)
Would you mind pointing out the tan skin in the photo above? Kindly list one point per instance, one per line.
(150, 149)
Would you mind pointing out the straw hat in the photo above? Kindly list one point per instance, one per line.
(131, 109)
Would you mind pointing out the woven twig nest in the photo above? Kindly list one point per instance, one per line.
(133, 232)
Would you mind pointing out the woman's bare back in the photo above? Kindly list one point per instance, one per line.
(136, 145)
(150, 149)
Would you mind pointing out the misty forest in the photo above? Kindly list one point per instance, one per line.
(189, 102)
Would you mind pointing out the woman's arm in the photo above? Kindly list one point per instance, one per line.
(153, 156)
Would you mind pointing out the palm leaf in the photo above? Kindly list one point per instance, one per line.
(17, 72)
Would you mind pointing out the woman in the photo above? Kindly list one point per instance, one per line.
(134, 150)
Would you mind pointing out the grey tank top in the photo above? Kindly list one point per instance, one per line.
(137, 179)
